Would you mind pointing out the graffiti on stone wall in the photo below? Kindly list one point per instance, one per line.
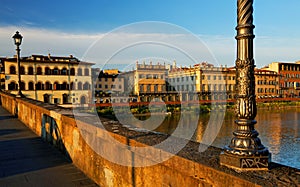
(254, 162)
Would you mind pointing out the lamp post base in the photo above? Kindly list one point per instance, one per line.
(245, 163)
(20, 94)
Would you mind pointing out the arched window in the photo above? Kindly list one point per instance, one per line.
(47, 71)
(65, 98)
(86, 86)
(30, 70)
(12, 86)
(55, 71)
(22, 70)
(72, 72)
(86, 72)
(48, 86)
(79, 86)
(46, 98)
(30, 86)
(39, 71)
(79, 71)
(12, 70)
(56, 86)
(64, 71)
(39, 86)
(65, 86)
(22, 85)
(72, 86)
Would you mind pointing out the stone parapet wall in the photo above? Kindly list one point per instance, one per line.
(188, 168)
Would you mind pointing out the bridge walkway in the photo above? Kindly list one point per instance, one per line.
(26, 160)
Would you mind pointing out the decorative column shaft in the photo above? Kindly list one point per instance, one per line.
(19, 72)
(245, 150)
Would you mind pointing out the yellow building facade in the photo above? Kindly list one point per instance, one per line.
(146, 81)
(56, 80)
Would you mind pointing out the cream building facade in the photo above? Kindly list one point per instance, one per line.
(51, 79)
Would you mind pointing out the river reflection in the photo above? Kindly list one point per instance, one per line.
(279, 130)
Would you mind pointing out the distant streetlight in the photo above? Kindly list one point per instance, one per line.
(18, 40)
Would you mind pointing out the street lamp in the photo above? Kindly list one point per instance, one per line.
(245, 151)
(18, 40)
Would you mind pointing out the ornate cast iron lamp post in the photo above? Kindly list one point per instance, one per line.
(245, 151)
(18, 40)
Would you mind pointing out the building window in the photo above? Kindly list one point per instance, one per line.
(141, 88)
(39, 86)
(79, 86)
(12, 86)
(30, 86)
(99, 85)
(30, 70)
(55, 71)
(64, 71)
(72, 71)
(56, 100)
(12, 70)
(39, 71)
(48, 86)
(79, 71)
(86, 86)
(156, 88)
(22, 70)
(148, 88)
(47, 71)
(86, 72)
(72, 86)
(65, 86)
(106, 86)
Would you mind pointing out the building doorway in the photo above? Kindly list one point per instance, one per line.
(65, 98)
(82, 100)
(46, 98)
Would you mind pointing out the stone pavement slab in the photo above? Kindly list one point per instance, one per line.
(25, 160)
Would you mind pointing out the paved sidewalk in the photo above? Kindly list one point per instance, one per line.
(25, 160)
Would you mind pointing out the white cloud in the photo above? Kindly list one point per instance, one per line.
(129, 47)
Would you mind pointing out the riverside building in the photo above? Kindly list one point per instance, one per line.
(51, 79)
(289, 77)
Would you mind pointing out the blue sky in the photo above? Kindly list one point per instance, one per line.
(277, 25)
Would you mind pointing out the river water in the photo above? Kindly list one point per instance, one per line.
(279, 130)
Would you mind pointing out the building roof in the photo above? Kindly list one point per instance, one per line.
(50, 59)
